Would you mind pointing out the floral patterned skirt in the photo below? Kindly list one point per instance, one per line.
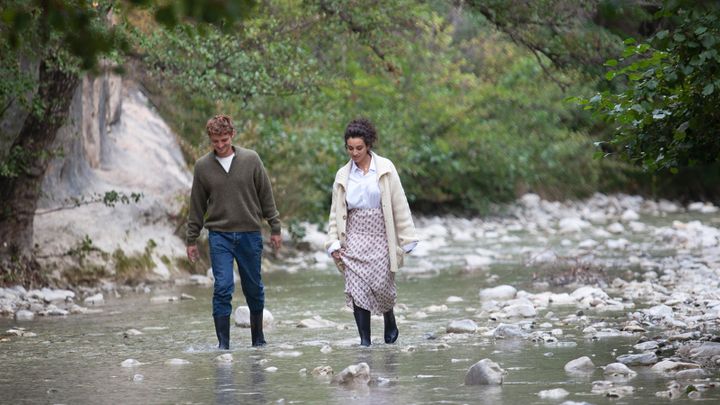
(369, 283)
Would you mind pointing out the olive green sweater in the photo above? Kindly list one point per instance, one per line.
(231, 202)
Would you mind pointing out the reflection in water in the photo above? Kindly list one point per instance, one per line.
(225, 390)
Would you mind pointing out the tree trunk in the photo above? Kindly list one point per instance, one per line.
(19, 195)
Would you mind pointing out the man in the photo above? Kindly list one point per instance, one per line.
(231, 195)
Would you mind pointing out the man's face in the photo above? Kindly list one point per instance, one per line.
(222, 144)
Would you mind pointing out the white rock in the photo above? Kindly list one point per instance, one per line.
(242, 317)
(520, 311)
(618, 369)
(588, 244)
(500, 293)
(629, 215)
(96, 299)
(484, 372)
(477, 262)
(580, 365)
(462, 326)
(356, 374)
(326, 349)
(617, 244)
(130, 363)
(661, 311)
(555, 393)
(616, 228)
(271, 369)
(226, 358)
(287, 354)
(316, 322)
(453, 299)
(436, 308)
(176, 362)
(669, 366)
(505, 330)
(24, 315)
(572, 225)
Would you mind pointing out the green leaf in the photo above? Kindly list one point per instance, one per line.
(700, 30)
(611, 62)
(662, 34)
(610, 75)
(708, 90)
(678, 37)
(630, 41)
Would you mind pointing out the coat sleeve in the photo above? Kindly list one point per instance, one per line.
(332, 234)
(405, 228)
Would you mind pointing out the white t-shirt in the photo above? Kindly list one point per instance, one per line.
(225, 161)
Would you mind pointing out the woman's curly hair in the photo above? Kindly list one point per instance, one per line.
(220, 124)
(361, 128)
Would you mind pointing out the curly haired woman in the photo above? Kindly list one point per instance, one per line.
(370, 230)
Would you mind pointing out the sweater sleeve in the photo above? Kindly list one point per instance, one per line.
(401, 212)
(265, 195)
(332, 236)
(198, 207)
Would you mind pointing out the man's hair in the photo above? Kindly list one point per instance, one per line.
(361, 128)
(220, 124)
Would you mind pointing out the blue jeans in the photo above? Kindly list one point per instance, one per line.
(246, 249)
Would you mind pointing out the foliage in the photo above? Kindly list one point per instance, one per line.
(666, 117)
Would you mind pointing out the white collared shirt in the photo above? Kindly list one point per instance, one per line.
(363, 190)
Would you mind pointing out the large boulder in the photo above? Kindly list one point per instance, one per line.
(580, 365)
(356, 374)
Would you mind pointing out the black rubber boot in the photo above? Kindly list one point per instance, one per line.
(362, 318)
(256, 329)
(391, 329)
(222, 329)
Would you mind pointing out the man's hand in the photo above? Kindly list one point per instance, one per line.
(193, 253)
(276, 241)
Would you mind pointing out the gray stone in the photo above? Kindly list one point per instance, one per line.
(24, 315)
(642, 359)
(618, 370)
(669, 366)
(484, 372)
(500, 293)
(555, 393)
(356, 374)
(646, 346)
(505, 330)
(580, 365)
(242, 317)
(462, 326)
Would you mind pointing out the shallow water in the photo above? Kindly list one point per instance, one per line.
(77, 359)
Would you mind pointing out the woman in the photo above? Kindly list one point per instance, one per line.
(370, 230)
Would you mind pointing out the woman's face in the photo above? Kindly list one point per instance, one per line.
(356, 149)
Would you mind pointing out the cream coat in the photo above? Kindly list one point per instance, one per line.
(399, 225)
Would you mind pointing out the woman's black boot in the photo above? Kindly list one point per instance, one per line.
(222, 329)
(256, 329)
(362, 318)
(391, 330)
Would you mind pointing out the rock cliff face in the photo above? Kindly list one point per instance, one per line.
(113, 141)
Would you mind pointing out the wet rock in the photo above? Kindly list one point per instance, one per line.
(242, 317)
(187, 297)
(161, 299)
(618, 370)
(52, 310)
(21, 332)
(671, 367)
(642, 359)
(646, 346)
(322, 371)
(226, 358)
(505, 330)
(580, 365)
(462, 326)
(356, 374)
(176, 362)
(555, 393)
(130, 363)
(572, 225)
(287, 354)
(659, 312)
(484, 372)
(682, 337)
(271, 369)
(562, 299)
(453, 299)
(629, 215)
(616, 228)
(24, 315)
(326, 349)
(704, 353)
(672, 392)
(96, 299)
(499, 293)
(691, 374)
(520, 310)
(436, 308)
(477, 262)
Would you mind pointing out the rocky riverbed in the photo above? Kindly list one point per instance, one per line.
(637, 277)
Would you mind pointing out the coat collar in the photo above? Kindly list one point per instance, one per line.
(382, 165)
